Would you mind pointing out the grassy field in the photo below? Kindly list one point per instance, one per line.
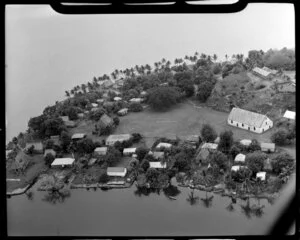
(182, 120)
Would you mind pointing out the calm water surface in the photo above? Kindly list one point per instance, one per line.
(124, 212)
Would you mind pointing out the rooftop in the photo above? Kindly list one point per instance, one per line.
(62, 161)
(37, 145)
(240, 158)
(78, 135)
(267, 145)
(116, 169)
(261, 71)
(157, 165)
(118, 137)
(247, 117)
(165, 145)
(210, 145)
(289, 114)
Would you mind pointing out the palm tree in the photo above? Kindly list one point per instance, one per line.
(192, 199)
(215, 57)
(67, 93)
(83, 87)
(226, 56)
(203, 56)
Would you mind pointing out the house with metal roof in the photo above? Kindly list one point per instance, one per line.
(290, 115)
(101, 150)
(128, 151)
(163, 145)
(105, 121)
(157, 165)
(237, 168)
(261, 176)
(78, 136)
(62, 162)
(254, 122)
(262, 73)
(123, 111)
(112, 139)
(116, 99)
(240, 158)
(116, 171)
(246, 142)
(136, 100)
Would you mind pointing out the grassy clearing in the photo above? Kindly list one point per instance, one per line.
(34, 168)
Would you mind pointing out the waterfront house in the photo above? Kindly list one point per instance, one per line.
(157, 165)
(261, 175)
(105, 121)
(262, 73)
(112, 139)
(116, 171)
(247, 120)
(123, 111)
(101, 150)
(51, 151)
(289, 115)
(129, 151)
(240, 158)
(63, 162)
(163, 145)
(78, 136)
(246, 142)
(38, 147)
(267, 147)
(116, 99)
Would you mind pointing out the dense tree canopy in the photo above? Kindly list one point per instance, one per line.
(163, 97)
(208, 133)
(281, 161)
(255, 161)
(226, 141)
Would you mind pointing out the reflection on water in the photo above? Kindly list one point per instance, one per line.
(252, 210)
(57, 196)
(192, 199)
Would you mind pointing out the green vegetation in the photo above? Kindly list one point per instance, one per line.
(163, 98)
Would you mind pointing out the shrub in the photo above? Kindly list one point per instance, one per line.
(219, 159)
(208, 133)
(204, 91)
(85, 145)
(104, 178)
(255, 161)
(135, 107)
(163, 97)
(49, 158)
(280, 137)
(136, 137)
(116, 120)
(281, 161)
(145, 165)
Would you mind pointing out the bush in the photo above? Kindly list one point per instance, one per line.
(281, 161)
(116, 120)
(254, 146)
(104, 178)
(145, 165)
(113, 156)
(136, 137)
(49, 158)
(204, 91)
(255, 161)
(280, 137)
(85, 145)
(226, 141)
(208, 133)
(135, 107)
(49, 144)
(219, 159)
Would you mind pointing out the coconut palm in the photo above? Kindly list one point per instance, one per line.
(67, 94)
(215, 57)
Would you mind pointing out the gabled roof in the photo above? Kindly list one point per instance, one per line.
(273, 71)
(78, 135)
(157, 155)
(240, 158)
(116, 169)
(157, 165)
(62, 161)
(290, 114)
(51, 151)
(100, 149)
(261, 175)
(209, 146)
(105, 120)
(247, 117)
(165, 145)
(246, 142)
(261, 71)
(267, 145)
(118, 137)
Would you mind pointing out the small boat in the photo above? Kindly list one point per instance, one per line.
(173, 198)
(105, 188)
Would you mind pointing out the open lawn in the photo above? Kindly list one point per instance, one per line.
(35, 166)
(184, 119)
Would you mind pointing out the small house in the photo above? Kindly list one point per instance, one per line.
(136, 100)
(289, 115)
(94, 109)
(112, 139)
(237, 168)
(38, 147)
(63, 162)
(246, 142)
(262, 73)
(247, 120)
(70, 124)
(49, 151)
(211, 146)
(123, 111)
(80, 115)
(94, 105)
(240, 158)
(92, 161)
(101, 150)
(78, 136)
(273, 71)
(163, 145)
(157, 165)
(261, 176)
(204, 150)
(116, 171)
(116, 99)
(65, 118)
(267, 147)
(129, 151)
(157, 155)
(100, 100)
(143, 93)
(217, 140)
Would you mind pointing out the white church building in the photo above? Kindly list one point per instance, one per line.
(247, 120)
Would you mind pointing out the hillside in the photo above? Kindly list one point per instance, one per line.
(249, 92)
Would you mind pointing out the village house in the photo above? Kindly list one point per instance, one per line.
(94, 105)
(92, 161)
(246, 142)
(240, 158)
(290, 115)
(123, 111)
(101, 150)
(204, 150)
(157, 155)
(63, 162)
(117, 99)
(273, 71)
(100, 100)
(247, 120)
(78, 136)
(70, 124)
(116, 171)
(105, 121)
(157, 165)
(261, 176)
(267, 147)
(49, 151)
(163, 145)
(129, 151)
(262, 73)
(65, 118)
(136, 100)
(143, 93)
(237, 168)
(38, 147)
(80, 115)
(112, 139)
